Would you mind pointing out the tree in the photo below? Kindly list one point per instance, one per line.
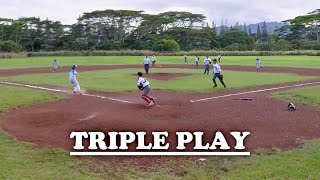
(258, 32)
(245, 28)
(166, 45)
(234, 36)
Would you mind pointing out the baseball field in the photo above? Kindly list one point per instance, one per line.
(39, 111)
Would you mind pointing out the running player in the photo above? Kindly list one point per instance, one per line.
(258, 64)
(55, 65)
(217, 74)
(144, 86)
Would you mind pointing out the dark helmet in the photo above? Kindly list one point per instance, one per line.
(291, 107)
(139, 74)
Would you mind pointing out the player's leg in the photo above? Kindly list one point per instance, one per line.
(147, 68)
(206, 69)
(76, 86)
(147, 98)
(220, 77)
(214, 80)
(147, 88)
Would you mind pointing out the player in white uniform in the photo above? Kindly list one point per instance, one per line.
(196, 60)
(153, 61)
(217, 74)
(146, 64)
(144, 86)
(258, 64)
(219, 58)
(207, 62)
(72, 77)
(55, 65)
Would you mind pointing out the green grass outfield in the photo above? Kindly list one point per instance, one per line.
(282, 61)
(20, 160)
(123, 80)
(305, 96)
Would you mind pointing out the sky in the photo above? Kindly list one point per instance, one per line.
(242, 11)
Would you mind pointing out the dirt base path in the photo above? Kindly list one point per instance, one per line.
(299, 71)
(270, 124)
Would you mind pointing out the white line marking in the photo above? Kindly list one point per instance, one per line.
(119, 100)
(256, 91)
(159, 153)
(63, 91)
(93, 115)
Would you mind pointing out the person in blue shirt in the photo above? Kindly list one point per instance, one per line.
(73, 79)
(56, 65)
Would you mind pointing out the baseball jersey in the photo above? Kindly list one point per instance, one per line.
(216, 68)
(72, 73)
(146, 61)
(207, 61)
(55, 63)
(142, 81)
(258, 62)
(197, 59)
(153, 59)
(219, 56)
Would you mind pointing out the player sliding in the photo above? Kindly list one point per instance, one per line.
(217, 74)
(72, 76)
(144, 86)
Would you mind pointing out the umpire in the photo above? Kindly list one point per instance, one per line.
(217, 74)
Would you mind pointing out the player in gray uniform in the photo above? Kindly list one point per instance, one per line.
(146, 64)
(258, 64)
(56, 65)
(207, 62)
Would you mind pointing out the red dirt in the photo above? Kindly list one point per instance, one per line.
(299, 71)
(270, 124)
(164, 76)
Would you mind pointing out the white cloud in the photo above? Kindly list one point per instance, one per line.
(249, 11)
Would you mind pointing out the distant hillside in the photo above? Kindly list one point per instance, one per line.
(271, 26)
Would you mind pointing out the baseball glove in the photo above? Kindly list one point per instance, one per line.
(221, 77)
(140, 87)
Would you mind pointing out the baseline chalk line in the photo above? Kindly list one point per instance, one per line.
(63, 91)
(160, 153)
(255, 91)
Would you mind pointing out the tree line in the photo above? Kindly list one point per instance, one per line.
(136, 30)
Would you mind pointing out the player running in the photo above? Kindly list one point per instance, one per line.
(153, 61)
(144, 86)
(217, 74)
(72, 77)
(55, 65)
(258, 64)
